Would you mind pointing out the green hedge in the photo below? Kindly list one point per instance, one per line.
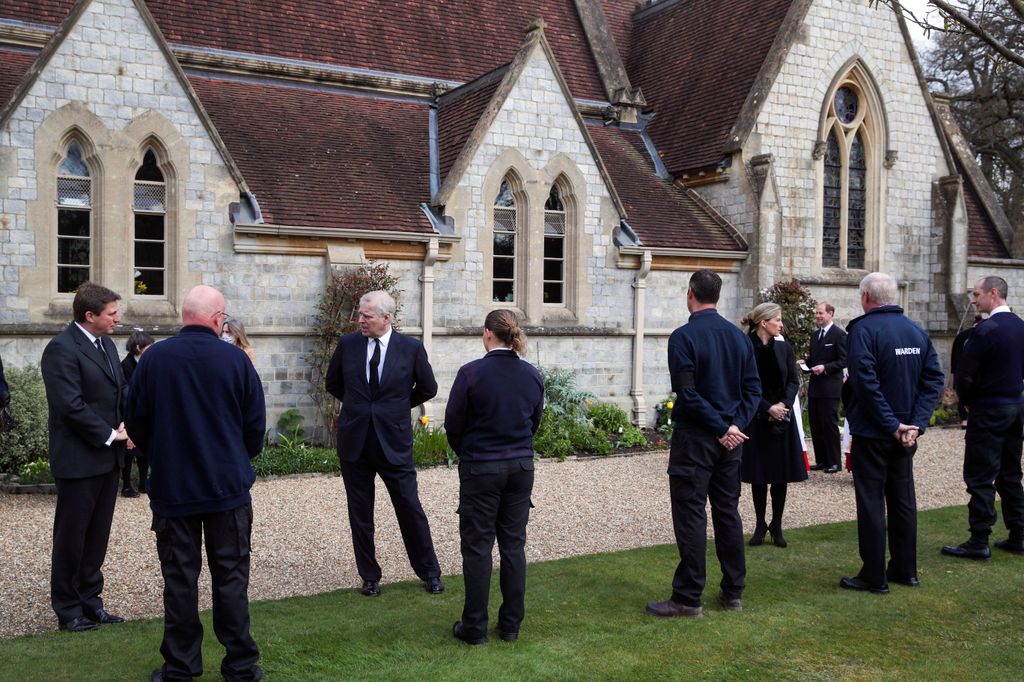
(29, 441)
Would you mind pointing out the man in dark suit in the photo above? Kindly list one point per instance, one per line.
(85, 395)
(714, 375)
(196, 408)
(826, 361)
(379, 375)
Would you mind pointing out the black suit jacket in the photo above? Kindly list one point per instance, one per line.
(86, 401)
(406, 381)
(831, 352)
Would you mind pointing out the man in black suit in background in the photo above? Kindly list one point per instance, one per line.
(379, 375)
(85, 395)
(826, 361)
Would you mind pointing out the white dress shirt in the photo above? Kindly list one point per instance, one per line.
(384, 341)
(92, 340)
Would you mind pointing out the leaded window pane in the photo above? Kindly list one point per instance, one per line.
(832, 204)
(846, 105)
(74, 192)
(504, 252)
(149, 196)
(73, 163)
(856, 212)
(505, 198)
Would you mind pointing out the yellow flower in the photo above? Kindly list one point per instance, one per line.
(424, 420)
(668, 405)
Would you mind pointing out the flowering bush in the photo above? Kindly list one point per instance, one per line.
(663, 423)
(430, 446)
(36, 472)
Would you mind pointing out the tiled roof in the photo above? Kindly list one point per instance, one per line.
(346, 161)
(454, 40)
(13, 66)
(696, 61)
(661, 213)
(458, 112)
(982, 237)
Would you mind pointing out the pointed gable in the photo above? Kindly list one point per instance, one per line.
(696, 62)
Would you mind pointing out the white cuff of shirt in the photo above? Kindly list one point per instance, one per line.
(113, 435)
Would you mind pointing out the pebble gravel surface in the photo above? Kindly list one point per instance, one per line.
(302, 544)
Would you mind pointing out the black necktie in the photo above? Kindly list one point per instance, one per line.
(821, 335)
(99, 347)
(374, 366)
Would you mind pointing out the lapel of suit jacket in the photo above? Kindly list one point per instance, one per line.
(393, 345)
(90, 351)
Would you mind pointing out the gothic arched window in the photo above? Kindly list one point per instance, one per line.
(74, 220)
(503, 287)
(150, 209)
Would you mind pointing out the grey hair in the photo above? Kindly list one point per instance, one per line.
(380, 300)
(880, 288)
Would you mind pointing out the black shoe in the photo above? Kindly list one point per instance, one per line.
(370, 588)
(909, 581)
(157, 675)
(461, 634)
(1017, 547)
(834, 469)
(80, 624)
(969, 550)
(855, 583)
(758, 537)
(101, 616)
(817, 467)
(129, 492)
(672, 609)
(730, 603)
(433, 585)
(508, 636)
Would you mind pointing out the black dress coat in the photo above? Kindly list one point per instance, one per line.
(830, 352)
(406, 381)
(86, 400)
(774, 453)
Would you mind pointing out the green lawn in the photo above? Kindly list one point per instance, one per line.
(585, 621)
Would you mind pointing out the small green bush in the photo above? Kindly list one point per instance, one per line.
(29, 440)
(301, 459)
(588, 439)
(664, 412)
(553, 438)
(630, 437)
(289, 424)
(430, 446)
(561, 394)
(36, 472)
(608, 417)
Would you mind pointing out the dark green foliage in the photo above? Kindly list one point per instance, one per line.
(430, 446)
(289, 424)
(561, 394)
(664, 412)
(553, 438)
(336, 315)
(301, 459)
(29, 440)
(36, 472)
(610, 418)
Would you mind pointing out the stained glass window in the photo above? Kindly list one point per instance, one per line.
(846, 105)
(831, 227)
(857, 208)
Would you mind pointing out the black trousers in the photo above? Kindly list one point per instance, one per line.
(126, 472)
(700, 469)
(823, 414)
(992, 457)
(494, 501)
(883, 481)
(400, 481)
(179, 544)
(81, 530)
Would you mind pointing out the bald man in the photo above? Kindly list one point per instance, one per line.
(196, 409)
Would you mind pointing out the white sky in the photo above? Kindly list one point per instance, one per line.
(920, 10)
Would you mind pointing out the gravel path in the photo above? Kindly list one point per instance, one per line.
(302, 544)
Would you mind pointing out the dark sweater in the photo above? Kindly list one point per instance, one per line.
(714, 374)
(195, 407)
(990, 370)
(494, 408)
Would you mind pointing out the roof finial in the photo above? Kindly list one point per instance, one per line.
(537, 24)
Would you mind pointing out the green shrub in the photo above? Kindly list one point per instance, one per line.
(430, 446)
(943, 416)
(36, 472)
(289, 424)
(608, 417)
(29, 440)
(664, 411)
(588, 439)
(301, 459)
(630, 437)
(561, 394)
(553, 438)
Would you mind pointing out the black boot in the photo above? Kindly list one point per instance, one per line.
(759, 493)
(778, 506)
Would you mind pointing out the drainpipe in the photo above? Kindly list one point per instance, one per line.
(639, 309)
(427, 317)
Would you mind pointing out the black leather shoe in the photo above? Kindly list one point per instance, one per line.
(370, 588)
(969, 550)
(730, 603)
(461, 634)
(157, 675)
(757, 539)
(672, 609)
(129, 492)
(910, 581)
(834, 469)
(80, 624)
(433, 585)
(1011, 546)
(817, 467)
(855, 583)
(101, 616)
(508, 636)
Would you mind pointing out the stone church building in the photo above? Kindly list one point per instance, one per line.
(575, 160)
